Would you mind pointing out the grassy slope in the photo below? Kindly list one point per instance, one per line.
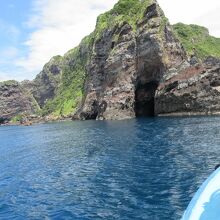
(9, 83)
(130, 11)
(194, 36)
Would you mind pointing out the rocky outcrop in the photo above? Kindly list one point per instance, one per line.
(190, 90)
(14, 100)
(134, 64)
(44, 86)
(124, 71)
(56, 90)
(144, 70)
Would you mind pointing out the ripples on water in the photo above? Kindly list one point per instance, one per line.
(137, 169)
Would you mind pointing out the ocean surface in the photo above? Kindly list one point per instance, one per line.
(123, 170)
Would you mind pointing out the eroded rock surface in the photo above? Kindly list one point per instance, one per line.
(191, 90)
(132, 65)
(14, 100)
(44, 86)
(124, 74)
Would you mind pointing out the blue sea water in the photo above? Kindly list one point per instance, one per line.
(125, 170)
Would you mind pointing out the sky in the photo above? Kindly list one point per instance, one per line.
(33, 31)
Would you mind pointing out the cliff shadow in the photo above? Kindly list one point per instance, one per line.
(144, 99)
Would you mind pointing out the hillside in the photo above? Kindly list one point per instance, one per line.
(196, 39)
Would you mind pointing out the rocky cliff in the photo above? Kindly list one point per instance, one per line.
(193, 87)
(133, 64)
(141, 66)
(190, 90)
(128, 61)
(15, 100)
(45, 85)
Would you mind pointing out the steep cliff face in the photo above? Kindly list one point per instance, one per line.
(45, 84)
(58, 88)
(191, 90)
(133, 64)
(70, 87)
(127, 63)
(15, 100)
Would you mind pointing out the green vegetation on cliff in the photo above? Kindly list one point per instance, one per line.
(59, 88)
(9, 83)
(17, 118)
(194, 37)
(130, 11)
(70, 90)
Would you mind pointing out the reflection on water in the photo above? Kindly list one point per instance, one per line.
(136, 169)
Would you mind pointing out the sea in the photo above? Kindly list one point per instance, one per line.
(139, 169)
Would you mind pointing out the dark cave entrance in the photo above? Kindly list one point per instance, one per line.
(144, 99)
(2, 120)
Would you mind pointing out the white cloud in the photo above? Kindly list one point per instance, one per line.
(201, 12)
(9, 74)
(211, 20)
(60, 25)
(3, 76)
(8, 53)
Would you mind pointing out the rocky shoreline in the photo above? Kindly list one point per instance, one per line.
(189, 114)
(167, 115)
(37, 120)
